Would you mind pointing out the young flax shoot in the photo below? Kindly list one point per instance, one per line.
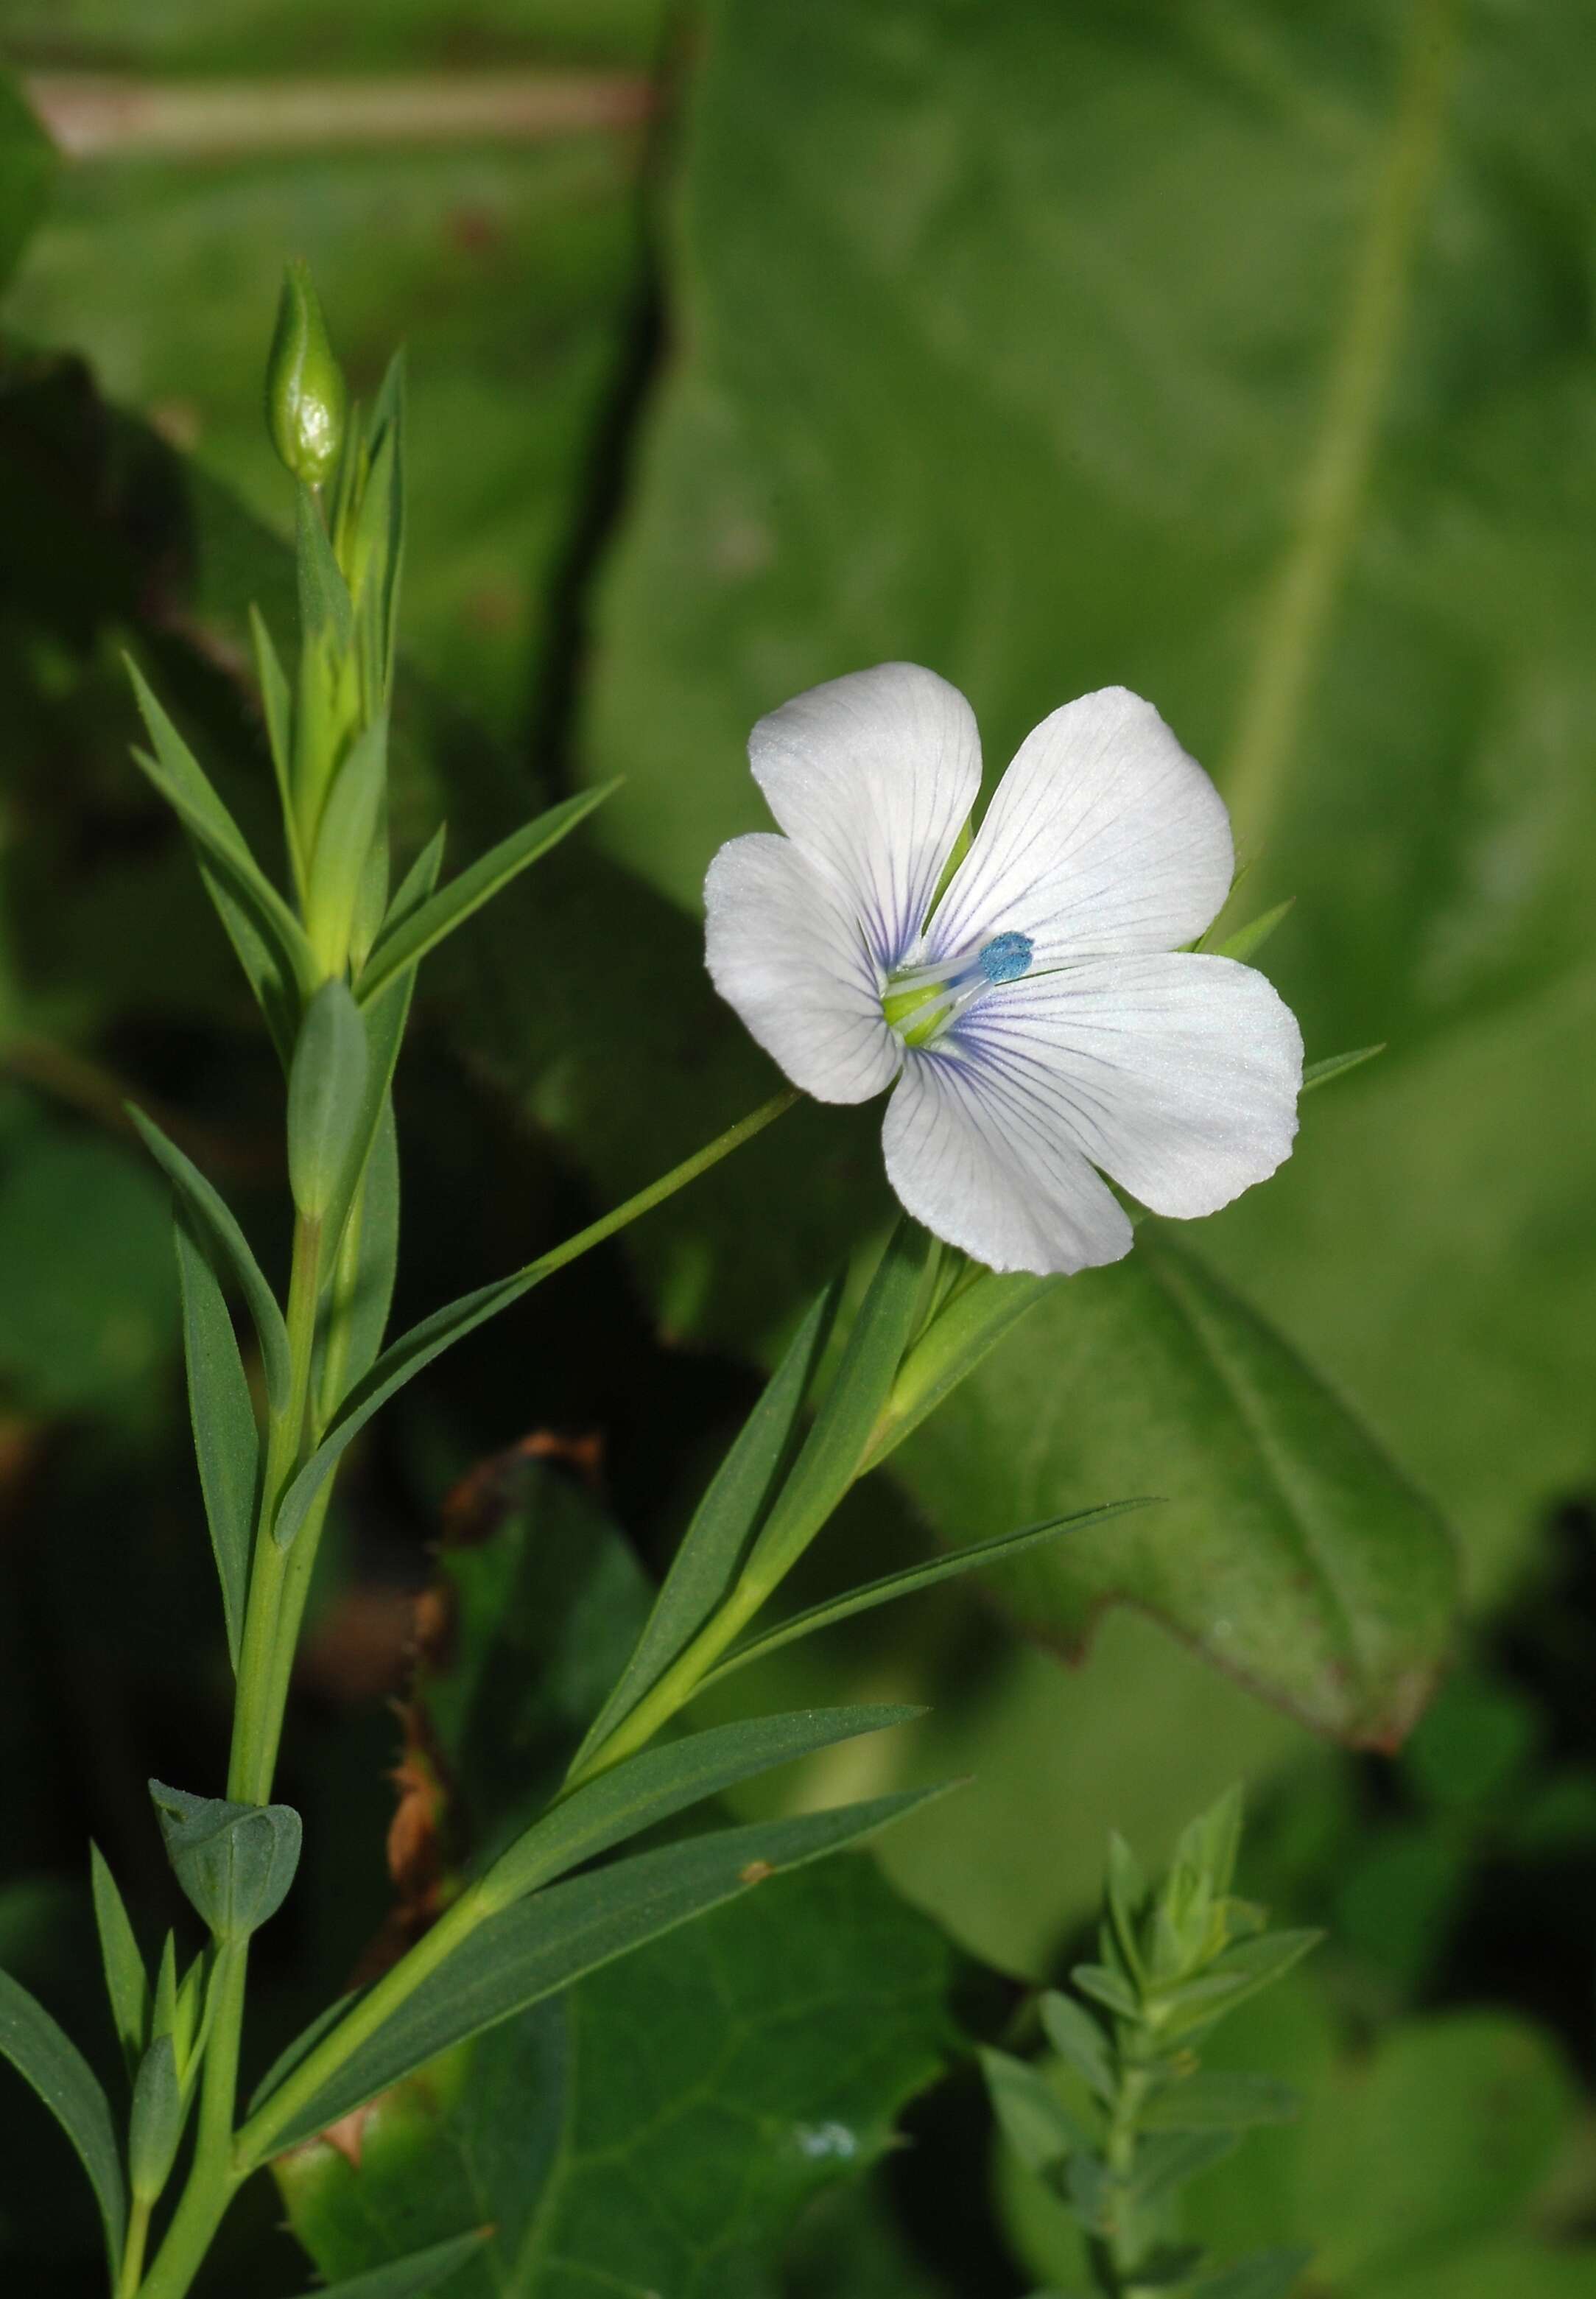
(332, 959)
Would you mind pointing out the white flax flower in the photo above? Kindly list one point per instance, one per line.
(1038, 1014)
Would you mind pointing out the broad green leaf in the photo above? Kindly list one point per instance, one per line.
(724, 1524)
(984, 1556)
(209, 1212)
(421, 2271)
(28, 165)
(62, 2076)
(326, 1090)
(1291, 1550)
(236, 1862)
(222, 1413)
(1410, 2159)
(539, 1945)
(126, 1982)
(661, 1781)
(835, 1449)
(401, 948)
(87, 1311)
(797, 2022)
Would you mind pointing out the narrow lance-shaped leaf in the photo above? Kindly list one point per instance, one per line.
(667, 1779)
(424, 2271)
(327, 1085)
(376, 1253)
(1034, 2122)
(1336, 1065)
(227, 1442)
(540, 1944)
(406, 1357)
(838, 1443)
(207, 1208)
(126, 1982)
(156, 2123)
(983, 1557)
(268, 938)
(958, 1337)
(404, 945)
(63, 2079)
(349, 824)
(385, 1018)
(724, 1524)
(277, 702)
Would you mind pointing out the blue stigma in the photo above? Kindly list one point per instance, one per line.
(1005, 958)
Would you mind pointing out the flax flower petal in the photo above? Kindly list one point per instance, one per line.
(1102, 837)
(974, 1152)
(785, 949)
(872, 777)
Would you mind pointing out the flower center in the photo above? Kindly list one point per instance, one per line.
(919, 1002)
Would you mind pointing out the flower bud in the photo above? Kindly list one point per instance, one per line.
(305, 397)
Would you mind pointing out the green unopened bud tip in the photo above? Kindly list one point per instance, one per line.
(305, 397)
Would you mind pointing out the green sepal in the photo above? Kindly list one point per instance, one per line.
(126, 1982)
(403, 943)
(1247, 940)
(661, 1781)
(236, 1862)
(724, 1524)
(222, 1413)
(51, 2063)
(156, 2124)
(403, 2278)
(981, 1556)
(327, 1091)
(217, 1223)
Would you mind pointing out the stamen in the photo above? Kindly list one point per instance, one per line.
(919, 1002)
(1005, 958)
